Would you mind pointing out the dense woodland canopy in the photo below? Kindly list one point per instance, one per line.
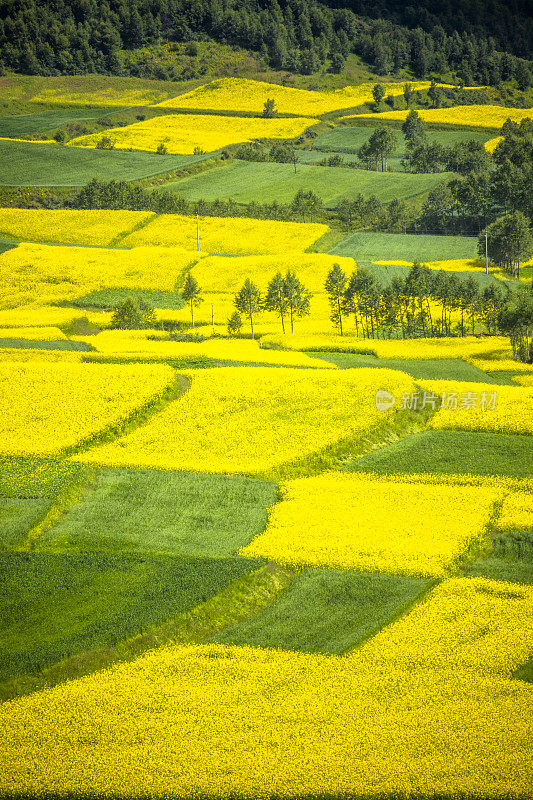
(479, 42)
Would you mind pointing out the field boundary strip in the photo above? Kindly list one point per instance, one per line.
(236, 603)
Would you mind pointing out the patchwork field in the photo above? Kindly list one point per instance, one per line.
(487, 116)
(35, 164)
(247, 182)
(404, 246)
(257, 563)
(186, 133)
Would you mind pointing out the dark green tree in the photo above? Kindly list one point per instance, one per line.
(276, 299)
(248, 301)
(335, 287)
(191, 293)
(297, 297)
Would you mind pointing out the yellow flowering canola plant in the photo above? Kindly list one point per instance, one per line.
(33, 354)
(523, 380)
(492, 144)
(241, 94)
(249, 419)
(502, 365)
(54, 274)
(34, 314)
(466, 624)
(481, 406)
(124, 344)
(442, 348)
(475, 116)
(183, 133)
(211, 720)
(44, 333)
(238, 235)
(366, 523)
(68, 225)
(227, 274)
(517, 512)
(46, 407)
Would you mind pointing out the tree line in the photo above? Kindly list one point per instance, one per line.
(403, 309)
(76, 37)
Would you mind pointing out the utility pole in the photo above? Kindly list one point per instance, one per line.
(486, 253)
(197, 234)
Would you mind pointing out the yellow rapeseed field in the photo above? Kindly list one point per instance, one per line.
(523, 380)
(127, 344)
(475, 116)
(466, 624)
(53, 274)
(210, 720)
(441, 348)
(249, 419)
(35, 354)
(44, 333)
(517, 512)
(501, 365)
(357, 522)
(183, 133)
(481, 406)
(46, 407)
(67, 225)
(238, 235)
(227, 274)
(492, 144)
(241, 94)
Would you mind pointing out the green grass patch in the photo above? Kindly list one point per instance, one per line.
(31, 164)
(314, 156)
(38, 477)
(110, 298)
(53, 606)
(38, 344)
(6, 245)
(17, 517)
(453, 369)
(247, 181)
(186, 514)
(50, 118)
(503, 569)
(453, 452)
(327, 611)
(405, 247)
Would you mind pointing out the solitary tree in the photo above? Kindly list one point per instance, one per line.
(191, 293)
(248, 301)
(132, 314)
(335, 288)
(378, 93)
(269, 109)
(276, 299)
(297, 297)
(234, 324)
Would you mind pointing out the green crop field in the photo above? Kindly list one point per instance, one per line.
(453, 369)
(55, 605)
(349, 138)
(327, 611)
(312, 156)
(34, 164)
(405, 247)
(17, 517)
(50, 118)
(454, 452)
(163, 512)
(110, 298)
(247, 181)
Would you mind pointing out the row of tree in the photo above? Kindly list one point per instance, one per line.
(75, 36)
(403, 308)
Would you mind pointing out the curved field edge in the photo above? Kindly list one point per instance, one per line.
(235, 603)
